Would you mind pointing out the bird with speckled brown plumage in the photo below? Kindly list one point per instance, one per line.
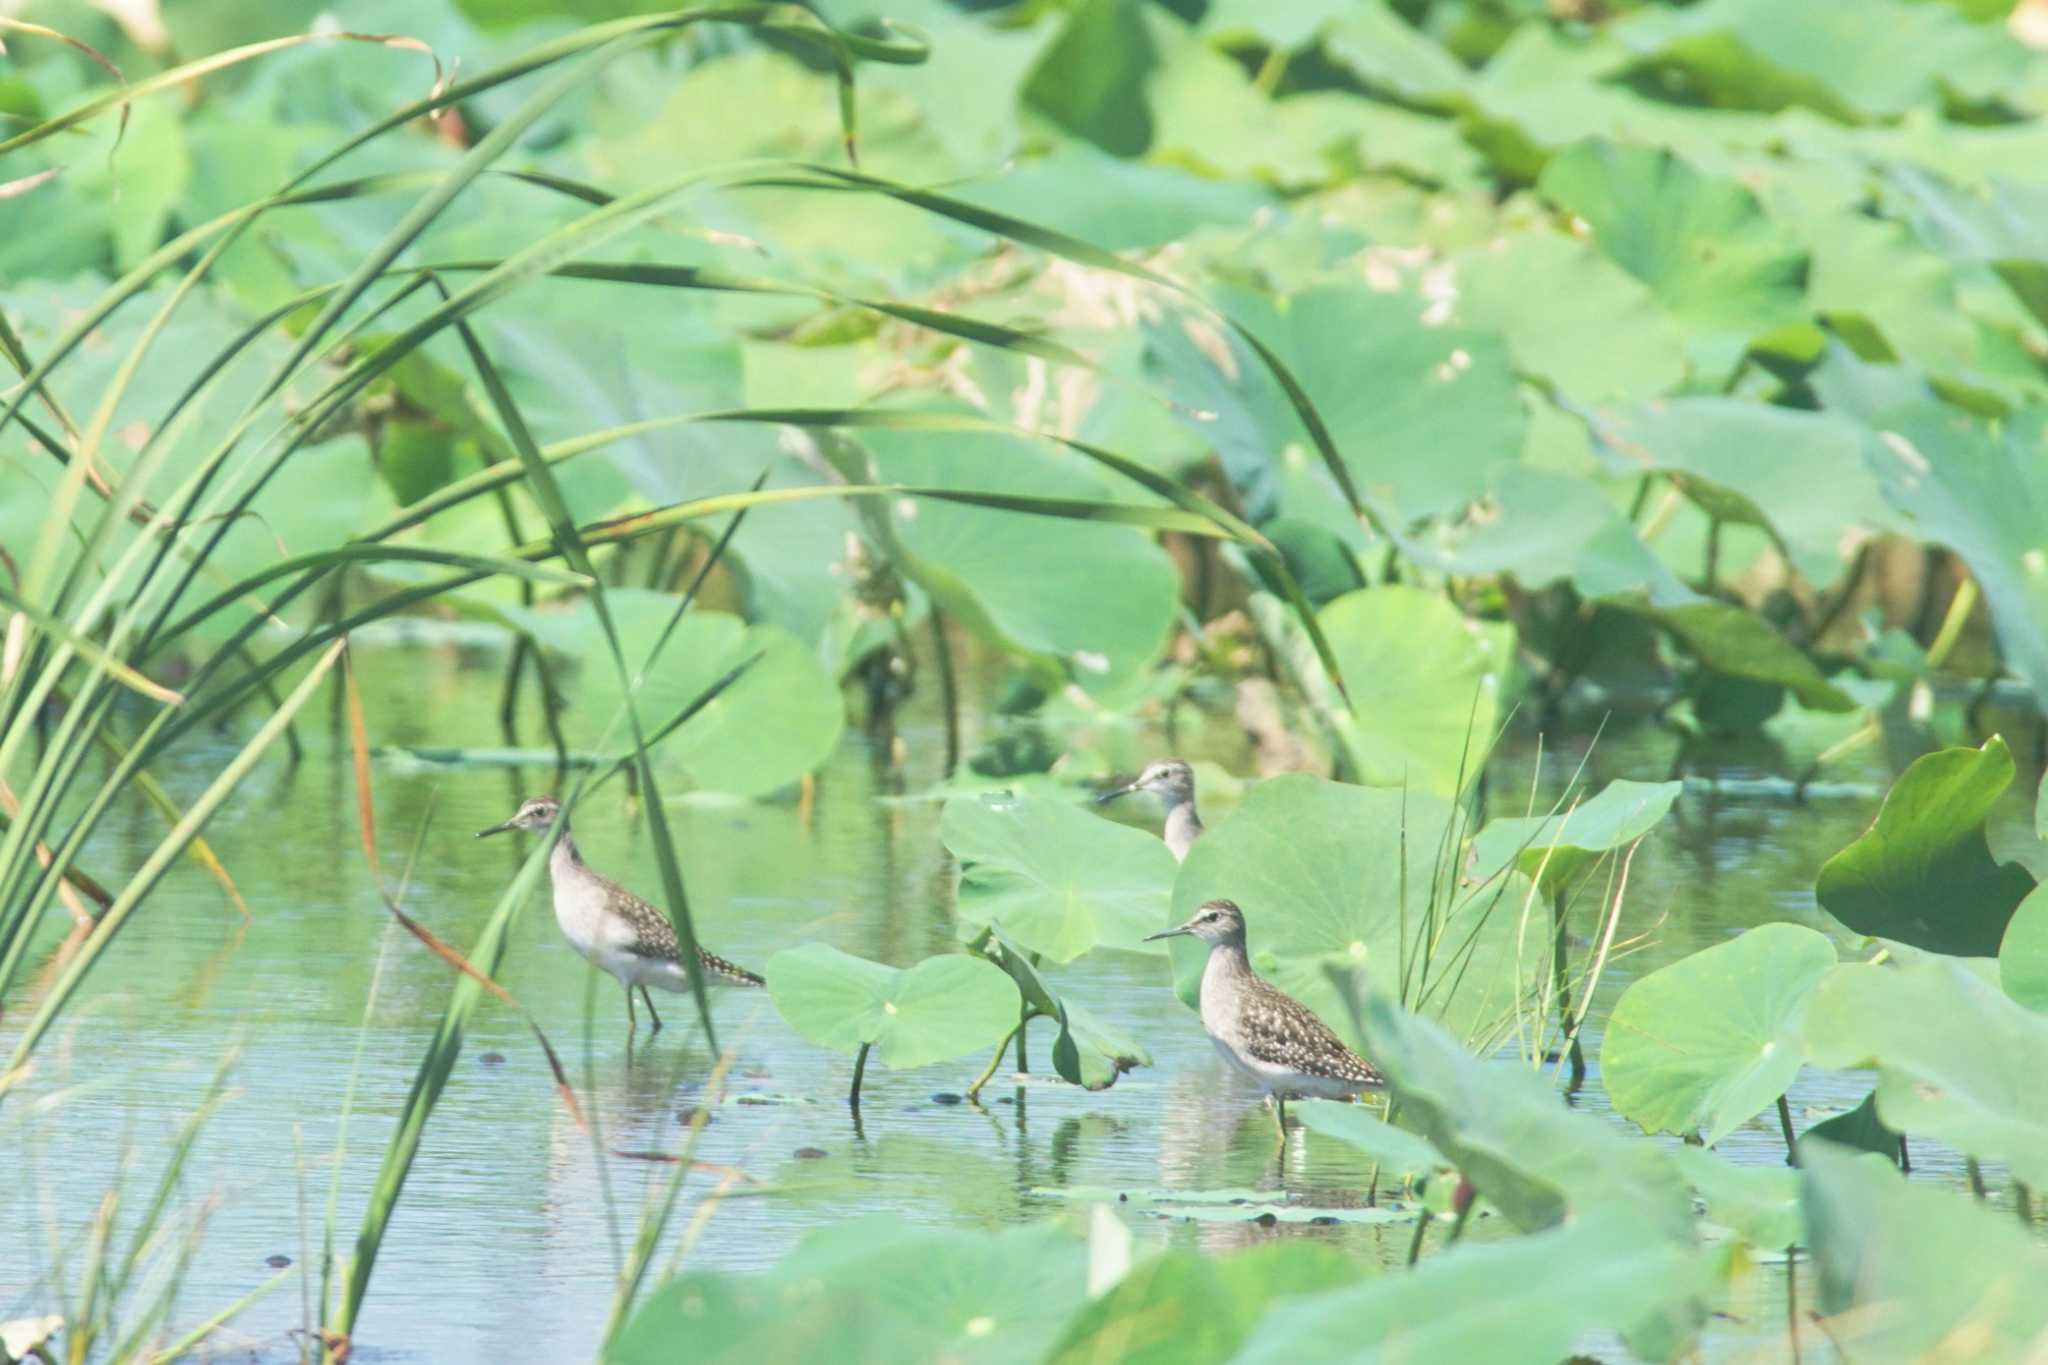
(1260, 1030)
(611, 926)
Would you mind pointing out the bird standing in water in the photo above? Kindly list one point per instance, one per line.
(611, 926)
(1263, 1032)
(1173, 782)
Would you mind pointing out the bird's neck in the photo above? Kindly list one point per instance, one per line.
(1229, 959)
(1183, 826)
(564, 856)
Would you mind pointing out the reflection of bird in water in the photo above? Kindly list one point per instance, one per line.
(1268, 1035)
(1173, 782)
(611, 926)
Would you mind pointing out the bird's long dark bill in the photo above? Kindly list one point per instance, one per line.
(497, 829)
(1169, 933)
(1112, 794)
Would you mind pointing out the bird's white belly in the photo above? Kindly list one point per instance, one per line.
(1272, 1078)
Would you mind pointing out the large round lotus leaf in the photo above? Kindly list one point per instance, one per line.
(2023, 955)
(1540, 1296)
(1422, 415)
(913, 1016)
(1956, 1059)
(873, 1290)
(1425, 686)
(781, 719)
(1555, 848)
(1093, 599)
(1704, 1044)
(1572, 315)
(1054, 877)
(1190, 1308)
(1320, 869)
(1907, 1270)
(1922, 873)
(1713, 260)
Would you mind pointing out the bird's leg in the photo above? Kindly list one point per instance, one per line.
(650, 1008)
(1280, 1118)
(632, 1023)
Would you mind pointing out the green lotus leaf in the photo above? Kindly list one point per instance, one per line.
(1712, 259)
(1906, 1270)
(1739, 644)
(1985, 496)
(1402, 1156)
(1760, 1204)
(1087, 1051)
(2023, 953)
(1554, 849)
(941, 1008)
(1542, 1294)
(1704, 1044)
(1956, 1059)
(1055, 878)
(1422, 415)
(1425, 685)
(1188, 1308)
(869, 1290)
(1503, 1128)
(1729, 453)
(1922, 873)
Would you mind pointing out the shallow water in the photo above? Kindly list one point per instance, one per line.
(512, 1226)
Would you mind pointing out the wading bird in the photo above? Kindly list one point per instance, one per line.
(610, 925)
(1173, 782)
(1269, 1036)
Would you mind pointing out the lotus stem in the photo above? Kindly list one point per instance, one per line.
(860, 1069)
(1785, 1126)
(2023, 1201)
(1421, 1228)
(949, 695)
(1560, 975)
(1792, 1298)
(1976, 1174)
(974, 1091)
(1022, 1068)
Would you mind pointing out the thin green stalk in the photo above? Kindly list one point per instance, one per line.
(1415, 1244)
(182, 1347)
(1785, 1127)
(860, 1070)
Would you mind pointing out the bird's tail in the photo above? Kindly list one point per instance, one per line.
(730, 972)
